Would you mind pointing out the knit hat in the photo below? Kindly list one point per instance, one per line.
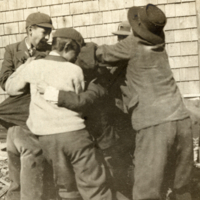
(148, 23)
(39, 19)
(124, 28)
(69, 33)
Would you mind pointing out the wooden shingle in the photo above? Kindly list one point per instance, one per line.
(182, 35)
(85, 19)
(96, 18)
(128, 3)
(113, 4)
(65, 9)
(170, 10)
(162, 1)
(103, 5)
(107, 17)
(34, 3)
(100, 30)
(190, 87)
(91, 31)
(11, 28)
(189, 48)
(90, 6)
(46, 2)
(77, 20)
(189, 74)
(12, 4)
(18, 15)
(44, 9)
(83, 31)
(22, 27)
(56, 10)
(63, 22)
(169, 36)
(1, 29)
(141, 2)
(1, 42)
(9, 16)
(76, 8)
(174, 49)
(56, 1)
(115, 15)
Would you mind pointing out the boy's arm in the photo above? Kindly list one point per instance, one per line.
(79, 102)
(7, 67)
(17, 82)
(72, 100)
(115, 53)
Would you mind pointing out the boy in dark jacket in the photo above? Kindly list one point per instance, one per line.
(164, 138)
(26, 162)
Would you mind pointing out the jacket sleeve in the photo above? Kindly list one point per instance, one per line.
(25, 74)
(115, 53)
(7, 67)
(15, 84)
(80, 102)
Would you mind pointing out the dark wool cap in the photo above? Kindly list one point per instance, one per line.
(71, 34)
(39, 19)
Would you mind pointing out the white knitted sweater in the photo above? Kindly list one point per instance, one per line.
(46, 118)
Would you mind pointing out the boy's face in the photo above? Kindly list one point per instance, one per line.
(71, 52)
(71, 55)
(39, 35)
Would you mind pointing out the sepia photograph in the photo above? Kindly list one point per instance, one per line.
(99, 99)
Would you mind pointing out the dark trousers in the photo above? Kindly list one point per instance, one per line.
(163, 158)
(118, 158)
(26, 165)
(75, 160)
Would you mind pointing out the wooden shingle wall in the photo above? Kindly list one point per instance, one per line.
(97, 19)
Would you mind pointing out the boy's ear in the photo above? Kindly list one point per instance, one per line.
(30, 28)
(66, 46)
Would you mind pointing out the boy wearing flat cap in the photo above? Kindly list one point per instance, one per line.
(164, 138)
(24, 153)
(62, 134)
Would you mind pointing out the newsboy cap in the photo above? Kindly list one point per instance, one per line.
(148, 22)
(39, 19)
(71, 34)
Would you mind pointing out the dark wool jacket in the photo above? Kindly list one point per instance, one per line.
(15, 109)
(105, 122)
(151, 94)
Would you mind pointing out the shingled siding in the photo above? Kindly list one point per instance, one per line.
(97, 19)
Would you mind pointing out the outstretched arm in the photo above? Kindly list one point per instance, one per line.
(114, 53)
(79, 102)
(72, 100)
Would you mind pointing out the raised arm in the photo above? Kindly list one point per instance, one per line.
(115, 53)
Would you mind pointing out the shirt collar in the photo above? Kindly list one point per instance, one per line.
(53, 53)
(56, 57)
(27, 45)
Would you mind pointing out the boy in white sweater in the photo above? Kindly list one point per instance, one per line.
(62, 134)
